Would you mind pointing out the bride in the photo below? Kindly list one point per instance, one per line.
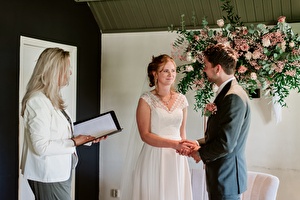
(160, 172)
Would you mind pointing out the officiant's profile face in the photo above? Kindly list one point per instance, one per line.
(210, 70)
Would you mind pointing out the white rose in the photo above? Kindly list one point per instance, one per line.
(189, 56)
(283, 46)
(253, 76)
(292, 44)
(189, 68)
(227, 44)
(266, 42)
(248, 55)
(220, 23)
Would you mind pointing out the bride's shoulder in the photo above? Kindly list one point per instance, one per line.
(181, 99)
(147, 96)
(180, 95)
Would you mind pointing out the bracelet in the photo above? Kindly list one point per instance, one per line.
(74, 142)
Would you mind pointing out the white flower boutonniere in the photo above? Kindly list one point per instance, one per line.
(210, 109)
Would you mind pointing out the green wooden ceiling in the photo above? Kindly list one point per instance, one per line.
(114, 16)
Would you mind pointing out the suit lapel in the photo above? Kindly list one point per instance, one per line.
(217, 101)
(222, 93)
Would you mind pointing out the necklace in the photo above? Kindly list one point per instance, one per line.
(161, 98)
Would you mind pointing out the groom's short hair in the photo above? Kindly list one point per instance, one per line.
(223, 55)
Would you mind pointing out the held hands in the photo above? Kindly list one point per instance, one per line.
(191, 149)
(184, 148)
(82, 139)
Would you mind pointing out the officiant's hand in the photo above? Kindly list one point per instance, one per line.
(82, 139)
(99, 139)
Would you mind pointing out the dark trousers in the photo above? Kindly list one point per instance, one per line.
(223, 197)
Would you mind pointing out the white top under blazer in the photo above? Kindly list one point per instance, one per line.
(48, 153)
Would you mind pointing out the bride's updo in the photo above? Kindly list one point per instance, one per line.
(156, 65)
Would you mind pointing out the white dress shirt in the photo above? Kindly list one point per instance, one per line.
(223, 84)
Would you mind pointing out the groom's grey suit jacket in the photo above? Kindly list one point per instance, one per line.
(225, 141)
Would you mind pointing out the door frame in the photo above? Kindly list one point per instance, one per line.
(30, 49)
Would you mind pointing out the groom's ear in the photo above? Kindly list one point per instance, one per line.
(218, 68)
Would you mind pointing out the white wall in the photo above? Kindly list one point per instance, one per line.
(272, 147)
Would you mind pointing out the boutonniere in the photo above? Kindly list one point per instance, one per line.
(210, 109)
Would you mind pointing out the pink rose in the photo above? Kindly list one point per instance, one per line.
(210, 109)
(256, 54)
(244, 30)
(281, 19)
(242, 69)
(199, 83)
(196, 37)
(245, 47)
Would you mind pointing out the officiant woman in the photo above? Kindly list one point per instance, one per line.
(49, 152)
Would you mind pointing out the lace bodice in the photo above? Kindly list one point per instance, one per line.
(165, 122)
(154, 102)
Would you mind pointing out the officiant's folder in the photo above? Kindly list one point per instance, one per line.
(101, 125)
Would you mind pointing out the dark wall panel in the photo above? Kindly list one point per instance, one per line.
(63, 21)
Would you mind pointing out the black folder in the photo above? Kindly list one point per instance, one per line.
(98, 126)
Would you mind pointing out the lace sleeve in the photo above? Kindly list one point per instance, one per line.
(146, 96)
(182, 101)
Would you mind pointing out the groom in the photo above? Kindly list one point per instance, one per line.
(223, 149)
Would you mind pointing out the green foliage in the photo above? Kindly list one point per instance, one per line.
(268, 57)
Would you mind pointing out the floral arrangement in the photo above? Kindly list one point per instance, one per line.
(268, 57)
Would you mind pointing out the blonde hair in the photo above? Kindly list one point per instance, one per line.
(51, 70)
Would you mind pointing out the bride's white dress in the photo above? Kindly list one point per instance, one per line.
(161, 173)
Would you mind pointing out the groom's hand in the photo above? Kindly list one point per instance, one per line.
(196, 156)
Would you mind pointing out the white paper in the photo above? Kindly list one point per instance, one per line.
(97, 127)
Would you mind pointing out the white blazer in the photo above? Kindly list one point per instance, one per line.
(47, 150)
